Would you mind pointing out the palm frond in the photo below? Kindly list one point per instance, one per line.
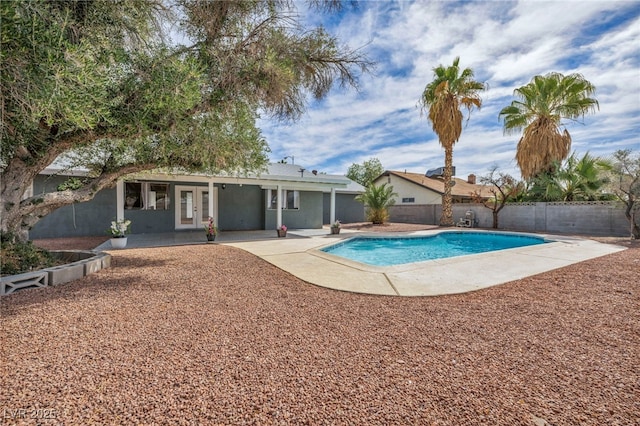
(538, 111)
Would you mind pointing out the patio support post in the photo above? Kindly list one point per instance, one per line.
(279, 207)
(210, 202)
(332, 207)
(120, 200)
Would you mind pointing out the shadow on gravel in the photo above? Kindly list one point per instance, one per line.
(120, 277)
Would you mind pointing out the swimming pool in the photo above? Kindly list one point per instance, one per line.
(386, 251)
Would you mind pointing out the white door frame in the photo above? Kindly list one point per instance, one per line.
(196, 206)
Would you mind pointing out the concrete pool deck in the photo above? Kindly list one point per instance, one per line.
(302, 258)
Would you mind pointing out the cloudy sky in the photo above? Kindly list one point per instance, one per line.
(505, 43)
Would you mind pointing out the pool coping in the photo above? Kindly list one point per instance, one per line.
(413, 265)
(304, 259)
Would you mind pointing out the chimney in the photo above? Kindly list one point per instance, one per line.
(471, 179)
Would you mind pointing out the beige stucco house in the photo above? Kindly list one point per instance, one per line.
(418, 189)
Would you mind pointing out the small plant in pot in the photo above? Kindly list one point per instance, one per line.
(119, 230)
(335, 227)
(211, 230)
(282, 231)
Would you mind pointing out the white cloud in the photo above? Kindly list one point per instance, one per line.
(506, 43)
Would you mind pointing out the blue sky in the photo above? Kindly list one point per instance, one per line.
(505, 43)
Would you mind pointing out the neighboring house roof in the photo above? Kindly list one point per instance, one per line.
(462, 188)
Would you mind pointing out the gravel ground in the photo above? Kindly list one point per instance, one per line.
(210, 334)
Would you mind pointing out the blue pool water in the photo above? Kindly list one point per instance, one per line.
(398, 250)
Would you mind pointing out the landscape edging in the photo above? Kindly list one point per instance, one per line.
(81, 263)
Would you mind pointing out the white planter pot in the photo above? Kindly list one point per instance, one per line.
(119, 243)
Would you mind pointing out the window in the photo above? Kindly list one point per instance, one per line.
(146, 196)
(409, 200)
(290, 199)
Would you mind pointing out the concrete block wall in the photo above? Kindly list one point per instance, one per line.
(601, 218)
(415, 213)
(593, 218)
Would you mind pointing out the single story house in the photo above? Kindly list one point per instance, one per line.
(419, 189)
(165, 202)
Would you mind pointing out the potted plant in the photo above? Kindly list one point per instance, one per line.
(211, 230)
(119, 230)
(335, 227)
(282, 231)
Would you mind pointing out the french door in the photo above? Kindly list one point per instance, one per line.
(192, 207)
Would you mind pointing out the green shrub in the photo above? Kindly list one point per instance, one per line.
(18, 257)
(377, 200)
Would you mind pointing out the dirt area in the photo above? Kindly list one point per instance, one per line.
(74, 243)
(209, 334)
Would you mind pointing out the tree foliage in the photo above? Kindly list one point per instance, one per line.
(626, 186)
(538, 112)
(503, 187)
(443, 98)
(366, 172)
(102, 83)
(377, 200)
(577, 179)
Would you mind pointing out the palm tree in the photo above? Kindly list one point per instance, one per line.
(377, 199)
(583, 179)
(579, 179)
(443, 97)
(539, 109)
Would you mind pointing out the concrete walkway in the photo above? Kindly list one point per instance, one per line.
(301, 258)
(181, 238)
(299, 255)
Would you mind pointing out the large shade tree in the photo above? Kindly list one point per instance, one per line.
(366, 172)
(100, 85)
(443, 98)
(538, 112)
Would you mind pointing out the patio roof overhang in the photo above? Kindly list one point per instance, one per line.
(309, 182)
(265, 181)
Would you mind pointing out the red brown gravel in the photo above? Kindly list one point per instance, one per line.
(210, 334)
(74, 243)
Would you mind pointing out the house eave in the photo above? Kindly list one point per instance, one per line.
(319, 183)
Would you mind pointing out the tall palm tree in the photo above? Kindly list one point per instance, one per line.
(377, 199)
(539, 109)
(442, 98)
